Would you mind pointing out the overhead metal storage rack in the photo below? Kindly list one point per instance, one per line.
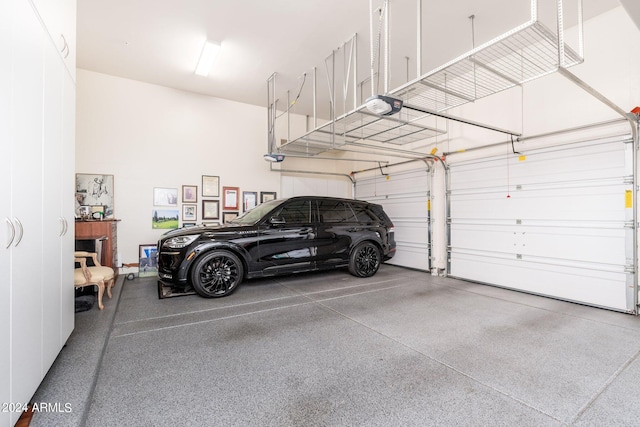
(517, 57)
(525, 53)
(361, 124)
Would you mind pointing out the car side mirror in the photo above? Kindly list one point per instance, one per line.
(277, 220)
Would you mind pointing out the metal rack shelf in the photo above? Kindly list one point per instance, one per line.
(525, 53)
(402, 128)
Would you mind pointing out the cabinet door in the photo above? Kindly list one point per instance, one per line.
(6, 42)
(68, 214)
(59, 17)
(58, 309)
(26, 202)
(53, 224)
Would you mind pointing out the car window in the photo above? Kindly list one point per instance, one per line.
(362, 214)
(335, 211)
(298, 211)
(380, 214)
(254, 215)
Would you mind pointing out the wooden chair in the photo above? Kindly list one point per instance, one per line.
(101, 276)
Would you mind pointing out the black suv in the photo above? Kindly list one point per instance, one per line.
(277, 237)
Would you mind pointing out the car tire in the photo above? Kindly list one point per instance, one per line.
(365, 260)
(216, 274)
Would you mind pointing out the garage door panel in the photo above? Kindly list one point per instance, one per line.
(411, 256)
(573, 283)
(564, 230)
(488, 238)
(411, 232)
(595, 163)
(394, 185)
(520, 172)
(603, 203)
(594, 246)
(409, 206)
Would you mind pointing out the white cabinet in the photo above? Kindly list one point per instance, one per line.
(53, 226)
(57, 192)
(5, 209)
(67, 211)
(26, 203)
(37, 118)
(59, 17)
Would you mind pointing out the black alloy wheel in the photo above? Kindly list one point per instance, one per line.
(217, 274)
(364, 260)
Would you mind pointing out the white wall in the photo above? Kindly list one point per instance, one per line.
(150, 136)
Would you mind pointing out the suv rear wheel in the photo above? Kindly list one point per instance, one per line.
(217, 274)
(364, 260)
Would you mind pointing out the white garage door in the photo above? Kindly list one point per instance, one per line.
(565, 231)
(405, 198)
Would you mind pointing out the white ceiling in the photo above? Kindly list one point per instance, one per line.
(159, 41)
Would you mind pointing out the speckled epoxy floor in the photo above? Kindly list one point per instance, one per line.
(328, 349)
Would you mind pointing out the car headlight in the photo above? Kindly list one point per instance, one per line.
(180, 242)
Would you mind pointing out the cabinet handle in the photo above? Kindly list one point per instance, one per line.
(62, 227)
(17, 221)
(66, 226)
(13, 232)
(65, 47)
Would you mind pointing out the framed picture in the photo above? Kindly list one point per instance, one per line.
(210, 209)
(166, 219)
(265, 196)
(94, 190)
(189, 212)
(210, 186)
(188, 224)
(148, 260)
(210, 223)
(249, 200)
(165, 196)
(189, 193)
(230, 196)
(228, 216)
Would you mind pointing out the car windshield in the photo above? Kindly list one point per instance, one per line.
(254, 215)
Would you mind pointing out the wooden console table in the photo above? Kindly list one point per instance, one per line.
(86, 230)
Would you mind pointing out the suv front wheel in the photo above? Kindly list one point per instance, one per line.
(217, 274)
(364, 260)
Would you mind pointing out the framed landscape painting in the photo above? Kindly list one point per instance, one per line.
(165, 219)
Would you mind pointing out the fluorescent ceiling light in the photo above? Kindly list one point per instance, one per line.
(207, 57)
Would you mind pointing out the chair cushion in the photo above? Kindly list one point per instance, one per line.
(105, 272)
(80, 280)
